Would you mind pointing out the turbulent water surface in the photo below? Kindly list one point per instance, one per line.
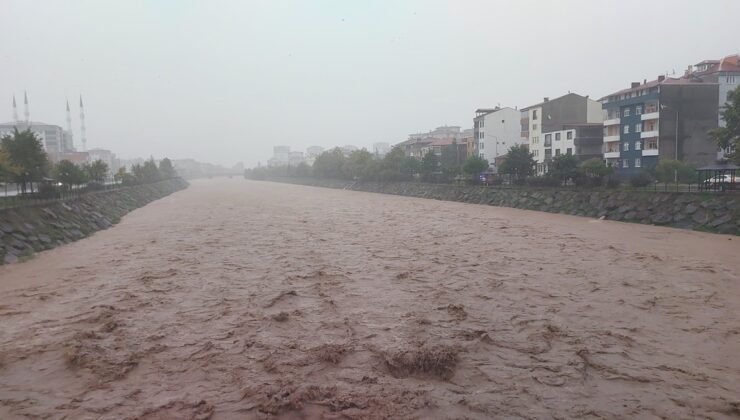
(238, 299)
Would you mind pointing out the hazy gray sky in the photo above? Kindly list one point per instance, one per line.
(224, 81)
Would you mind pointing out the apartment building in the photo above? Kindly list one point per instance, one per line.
(495, 131)
(665, 118)
(560, 126)
(724, 72)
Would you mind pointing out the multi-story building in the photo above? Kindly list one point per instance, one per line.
(106, 156)
(724, 72)
(662, 119)
(561, 125)
(495, 131)
(53, 137)
(280, 156)
(418, 144)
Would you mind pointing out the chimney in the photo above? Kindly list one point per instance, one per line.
(661, 78)
(547, 99)
(635, 84)
(644, 81)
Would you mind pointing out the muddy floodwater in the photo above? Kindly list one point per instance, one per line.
(236, 299)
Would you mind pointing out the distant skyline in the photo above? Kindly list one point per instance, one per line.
(225, 81)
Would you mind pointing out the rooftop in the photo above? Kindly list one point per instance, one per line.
(547, 100)
(661, 80)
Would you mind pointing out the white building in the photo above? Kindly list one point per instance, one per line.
(495, 131)
(53, 137)
(280, 156)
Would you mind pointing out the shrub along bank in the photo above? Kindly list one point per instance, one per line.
(714, 212)
(30, 229)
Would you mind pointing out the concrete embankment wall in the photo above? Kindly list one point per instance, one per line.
(29, 229)
(713, 212)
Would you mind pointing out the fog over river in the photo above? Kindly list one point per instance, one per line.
(237, 299)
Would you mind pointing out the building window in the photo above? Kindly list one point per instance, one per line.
(638, 145)
(625, 163)
(626, 129)
(534, 126)
(638, 110)
(638, 162)
(638, 128)
(730, 80)
(569, 135)
(482, 156)
(626, 112)
(557, 136)
(548, 140)
(534, 114)
(482, 134)
(557, 152)
(569, 151)
(626, 147)
(482, 123)
(481, 145)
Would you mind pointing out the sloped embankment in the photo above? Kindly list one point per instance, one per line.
(26, 230)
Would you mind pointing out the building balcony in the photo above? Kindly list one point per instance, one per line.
(650, 152)
(649, 134)
(611, 155)
(608, 139)
(650, 116)
(613, 121)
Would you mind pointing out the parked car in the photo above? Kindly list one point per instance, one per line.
(723, 182)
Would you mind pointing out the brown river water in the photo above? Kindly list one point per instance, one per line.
(237, 300)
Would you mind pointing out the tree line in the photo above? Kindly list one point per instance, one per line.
(24, 162)
(362, 165)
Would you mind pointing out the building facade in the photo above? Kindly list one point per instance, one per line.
(547, 125)
(54, 139)
(724, 72)
(495, 131)
(662, 119)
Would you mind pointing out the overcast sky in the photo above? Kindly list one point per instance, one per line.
(224, 81)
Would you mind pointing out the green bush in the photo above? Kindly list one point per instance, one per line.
(641, 179)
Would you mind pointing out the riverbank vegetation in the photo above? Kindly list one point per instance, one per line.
(24, 162)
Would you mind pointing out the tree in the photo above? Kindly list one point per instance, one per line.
(396, 166)
(26, 154)
(450, 160)
(123, 177)
(474, 165)
(518, 162)
(8, 170)
(429, 164)
(591, 173)
(563, 168)
(729, 136)
(329, 164)
(150, 171)
(69, 174)
(166, 169)
(358, 164)
(96, 171)
(668, 170)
